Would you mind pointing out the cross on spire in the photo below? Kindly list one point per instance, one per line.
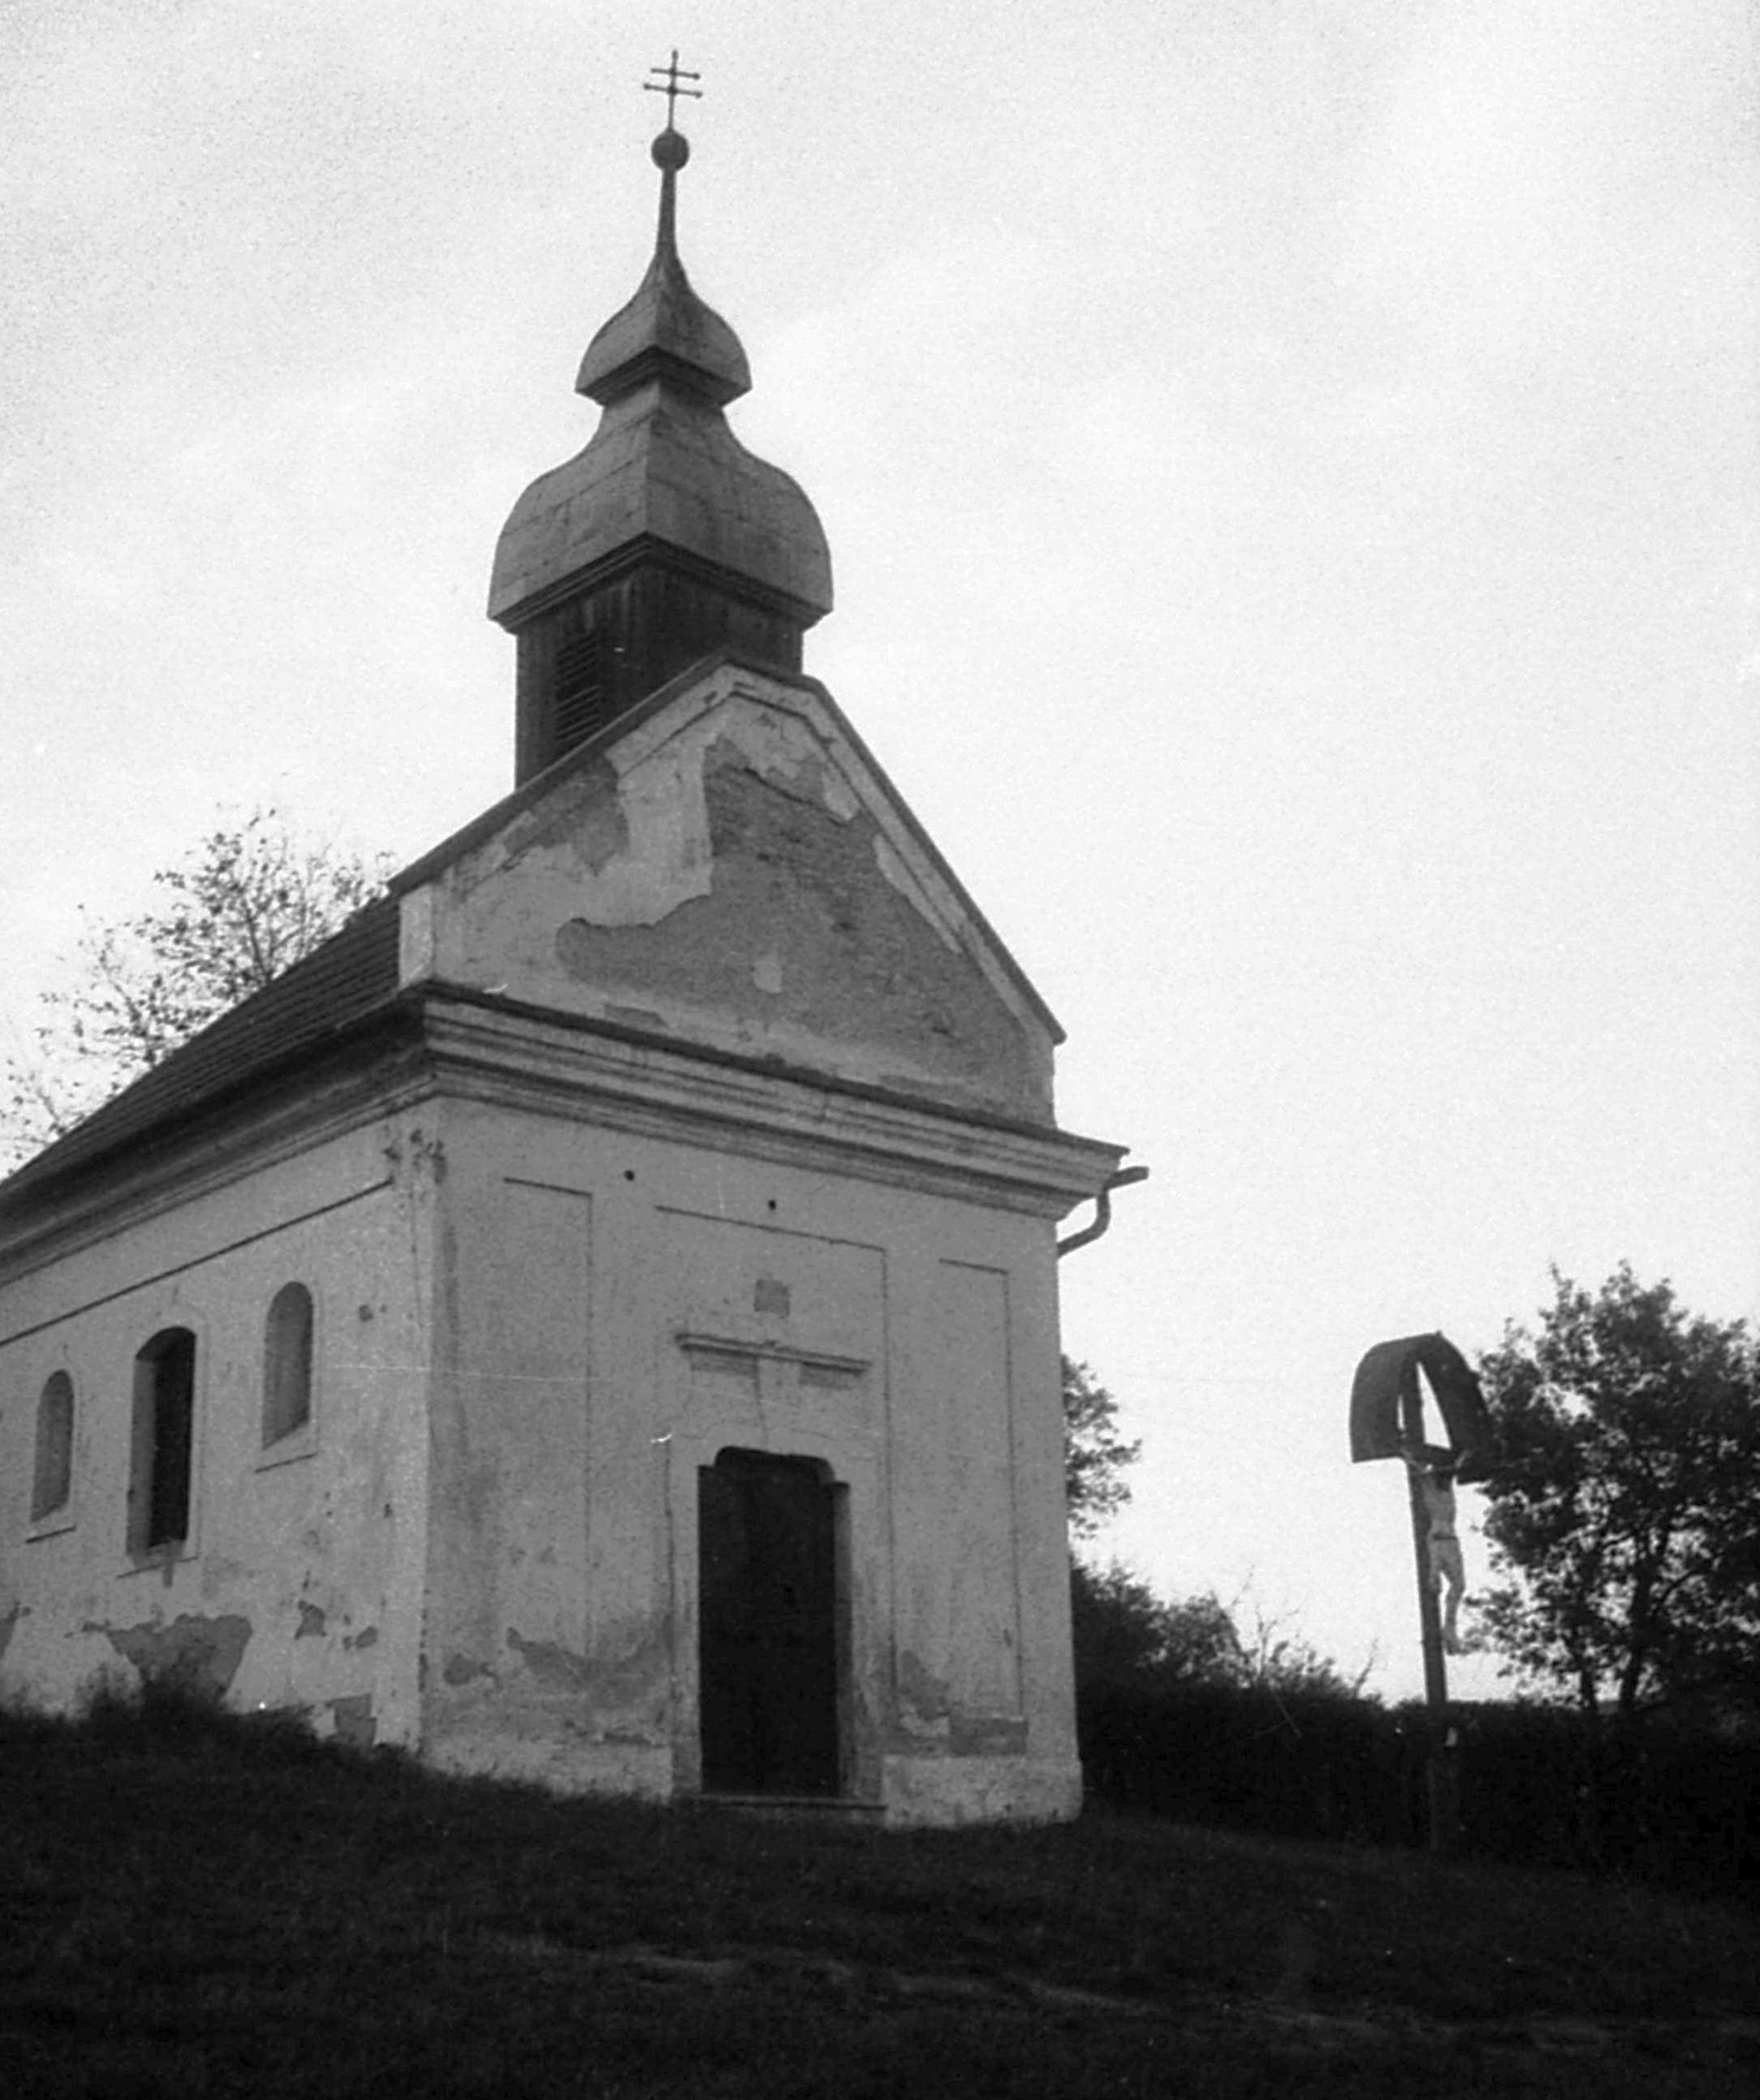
(667, 84)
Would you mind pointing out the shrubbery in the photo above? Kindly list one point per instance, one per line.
(1168, 1725)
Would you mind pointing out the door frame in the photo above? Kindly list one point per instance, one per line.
(851, 1456)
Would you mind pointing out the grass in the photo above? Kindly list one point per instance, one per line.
(195, 1905)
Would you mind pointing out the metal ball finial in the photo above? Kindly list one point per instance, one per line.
(671, 150)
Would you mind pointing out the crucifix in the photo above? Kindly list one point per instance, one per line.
(667, 84)
(1387, 1422)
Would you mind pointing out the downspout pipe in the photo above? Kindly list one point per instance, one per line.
(1102, 1211)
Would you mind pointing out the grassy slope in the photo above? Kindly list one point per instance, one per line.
(197, 1910)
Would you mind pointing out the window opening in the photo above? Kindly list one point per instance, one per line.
(287, 1364)
(52, 1486)
(165, 1402)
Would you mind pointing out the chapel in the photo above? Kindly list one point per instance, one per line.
(594, 1319)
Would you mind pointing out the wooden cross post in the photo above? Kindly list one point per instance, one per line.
(1441, 1778)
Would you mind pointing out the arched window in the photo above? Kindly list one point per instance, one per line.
(165, 1424)
(287, 1364)
(52, 1487)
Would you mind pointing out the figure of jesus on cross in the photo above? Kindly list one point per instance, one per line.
(1433, 1469)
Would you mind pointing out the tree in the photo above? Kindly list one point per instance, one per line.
(1624, 1502)
(1124, 1634)
(250, 899)
(1276, 1656)
(1094, 1455)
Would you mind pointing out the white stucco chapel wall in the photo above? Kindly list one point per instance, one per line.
(637, 1306)
(716, 1119)
(300, 1580)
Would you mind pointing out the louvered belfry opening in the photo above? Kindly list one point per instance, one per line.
(564, 696)
(586, 661)
(578, 709)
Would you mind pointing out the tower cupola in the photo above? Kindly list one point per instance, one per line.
(665, 539)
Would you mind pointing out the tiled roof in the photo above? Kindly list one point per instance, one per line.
(306, 1006)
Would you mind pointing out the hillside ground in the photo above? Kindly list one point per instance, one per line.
(194, 1906)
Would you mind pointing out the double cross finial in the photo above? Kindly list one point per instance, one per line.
(669, 86)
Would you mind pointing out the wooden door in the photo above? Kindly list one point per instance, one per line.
(768, 1620)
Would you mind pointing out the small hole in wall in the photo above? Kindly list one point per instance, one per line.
(772, 1204)
(629, 1174)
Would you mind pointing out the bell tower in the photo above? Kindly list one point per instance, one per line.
(665, 539)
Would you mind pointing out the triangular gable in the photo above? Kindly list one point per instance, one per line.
(727, 865)
(612, 842)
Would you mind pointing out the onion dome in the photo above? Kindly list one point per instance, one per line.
(665, 539)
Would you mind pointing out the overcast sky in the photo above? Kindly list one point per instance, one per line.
(1291, 469)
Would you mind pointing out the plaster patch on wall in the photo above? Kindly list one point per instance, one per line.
(555, 1667)
(893, 869)
(803, 948)
(663, 860)
(202, 1653)
(584, 803)
(631, 1662)
(602, 834)
(783, 749)
(222, 1576)
(985, 1736)
(923, 1701)
(638, 850)
(353, 1720)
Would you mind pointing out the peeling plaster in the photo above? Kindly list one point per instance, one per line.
(367, 1637)
(809, 936)
(464, 1670)
(312, 1622)
(8, 1626)
(632, 849)
(204, 1653)
(727, 878)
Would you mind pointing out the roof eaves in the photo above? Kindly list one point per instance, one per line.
(300, 1017)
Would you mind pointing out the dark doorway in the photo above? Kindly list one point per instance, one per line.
(766, 1559)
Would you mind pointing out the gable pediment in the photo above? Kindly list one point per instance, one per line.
(729, 867)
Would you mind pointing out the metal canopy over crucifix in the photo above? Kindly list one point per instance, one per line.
(671, 74)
